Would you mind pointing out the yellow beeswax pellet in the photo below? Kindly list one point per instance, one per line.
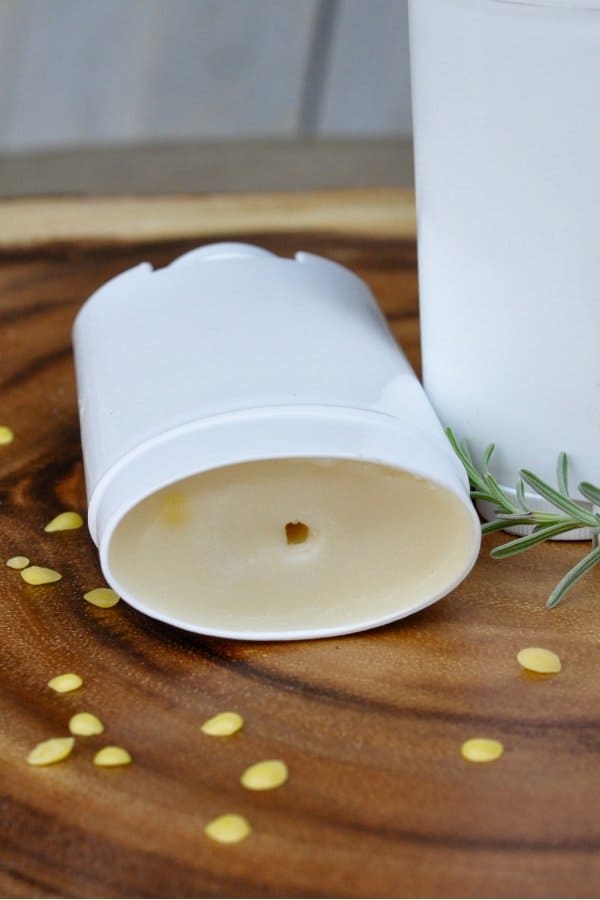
(536, 659)
(266, 775)
(223, 724)
(174, 508)
(481, 750)
(102, 597)
(17, 562)
(51, 751)
(64, 521)
(112, 756)
(228, 829)
(39, 575)
(6, 435)
(85, 724)
(62, 684)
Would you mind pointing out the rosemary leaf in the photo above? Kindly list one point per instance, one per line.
(570, 507)
(505, 521)
(590, 492)
(562, 474)
(455, 444)
(487, 457)
(530, 540)
(528, 518)
(578, 571)
(482, 495)
(499, 496)
(520, 492)
(465, 457)
(496, 525)
(569, 516)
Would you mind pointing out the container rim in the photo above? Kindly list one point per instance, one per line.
(293, 432)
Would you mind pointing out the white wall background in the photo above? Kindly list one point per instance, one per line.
(93, 72)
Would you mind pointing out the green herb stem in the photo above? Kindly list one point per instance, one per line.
(570, 513)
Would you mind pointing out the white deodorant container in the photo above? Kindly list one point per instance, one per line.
(261, 461)
(507, 150)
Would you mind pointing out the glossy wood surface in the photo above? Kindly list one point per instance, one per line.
(379, 802)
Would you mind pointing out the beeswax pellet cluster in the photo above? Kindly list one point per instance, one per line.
(36, 575)
(266, 775)
(534, 659)
(103, 597)
(68, 520)
(82, 724)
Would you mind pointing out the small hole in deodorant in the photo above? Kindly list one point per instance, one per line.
(296, 532)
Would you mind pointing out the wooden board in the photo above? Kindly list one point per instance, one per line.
(379, 802)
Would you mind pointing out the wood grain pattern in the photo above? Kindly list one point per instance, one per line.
(379, 802)
(74, 221)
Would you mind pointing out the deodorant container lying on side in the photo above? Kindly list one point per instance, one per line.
(261, 461)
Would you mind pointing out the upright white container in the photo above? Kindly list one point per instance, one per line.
(507, 138)
(260, 460)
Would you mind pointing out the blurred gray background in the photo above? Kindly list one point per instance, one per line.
(200, 94)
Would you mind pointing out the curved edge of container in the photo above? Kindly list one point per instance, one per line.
(274, 433)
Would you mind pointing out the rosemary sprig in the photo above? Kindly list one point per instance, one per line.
(569, 515)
